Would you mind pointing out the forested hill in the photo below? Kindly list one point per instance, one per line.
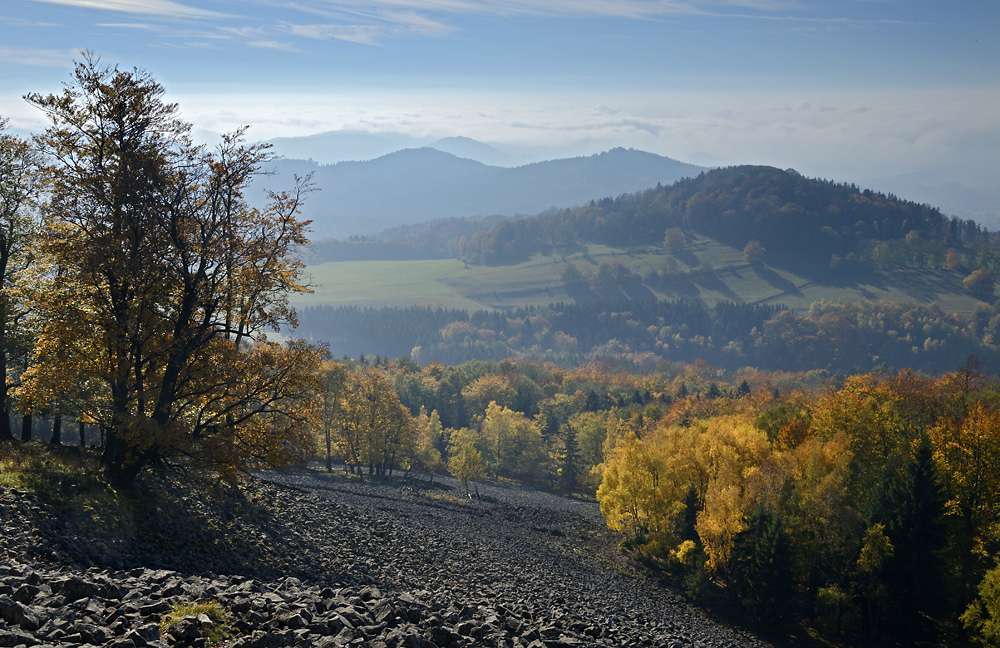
(801, 222)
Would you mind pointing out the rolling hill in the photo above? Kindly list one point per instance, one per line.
(736, 266)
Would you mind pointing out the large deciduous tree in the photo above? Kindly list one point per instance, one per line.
(163, 282)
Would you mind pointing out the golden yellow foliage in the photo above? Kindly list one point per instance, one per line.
(491, 388)
(968, 455)
(376, 430)
(161, 282)
(732, 453)
(514, 441)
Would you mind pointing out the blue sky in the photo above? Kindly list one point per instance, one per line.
(843, 89)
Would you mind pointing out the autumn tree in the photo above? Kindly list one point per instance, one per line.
(18, 231)
(735, 456)
(674, 239)
(333, 379)
(428, 436)
(869, 575)
(514, 442)
(968, 454)
(377, 431)
(572, 275)
(491, 388)
(980, 283)
(646, 482)
(824, 525)
(753, 252)
(164, 281)
(589, 430)
(465, 460)
(982, 616)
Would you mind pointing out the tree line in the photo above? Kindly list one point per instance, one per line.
(859, 336)
(528, 421)
(441, 238)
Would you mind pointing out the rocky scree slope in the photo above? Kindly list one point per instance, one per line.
(308, 559)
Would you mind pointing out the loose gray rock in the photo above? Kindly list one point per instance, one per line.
(365, 564)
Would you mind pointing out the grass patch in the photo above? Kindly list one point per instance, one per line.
(451, 499)
(220, 629)
(53, 474)
(69, 482)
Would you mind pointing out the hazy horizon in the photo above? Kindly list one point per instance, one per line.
(852, 90)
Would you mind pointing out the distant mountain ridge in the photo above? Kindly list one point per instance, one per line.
(418, 185)
(966, 193)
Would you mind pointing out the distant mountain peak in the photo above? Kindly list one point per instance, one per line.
(419, 184)
(468, 148)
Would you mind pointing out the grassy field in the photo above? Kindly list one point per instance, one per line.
(453, 284)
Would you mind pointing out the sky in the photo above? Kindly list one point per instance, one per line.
(848, 90)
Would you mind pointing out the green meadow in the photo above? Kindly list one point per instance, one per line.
(704, 270)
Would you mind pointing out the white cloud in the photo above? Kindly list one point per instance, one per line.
(139, 26)
(774, 10)
(38, 57)
(415, 23)
(846, 136)
(145, 7)
(616, 8)
(364, 34)
(273, 45)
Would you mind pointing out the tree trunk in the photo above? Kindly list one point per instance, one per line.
(329, 459)
(6, 434)
(123, 473)
(26, 427)
(56, 431)
(83, 434)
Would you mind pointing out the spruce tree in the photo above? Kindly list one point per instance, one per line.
(569, 468)
(911, 504)
(762, 569)
(917, 531)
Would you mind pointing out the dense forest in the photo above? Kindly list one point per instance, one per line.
(834, 336)
(824, 231)
(441, 238)
(863, 505)
(805, 223)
